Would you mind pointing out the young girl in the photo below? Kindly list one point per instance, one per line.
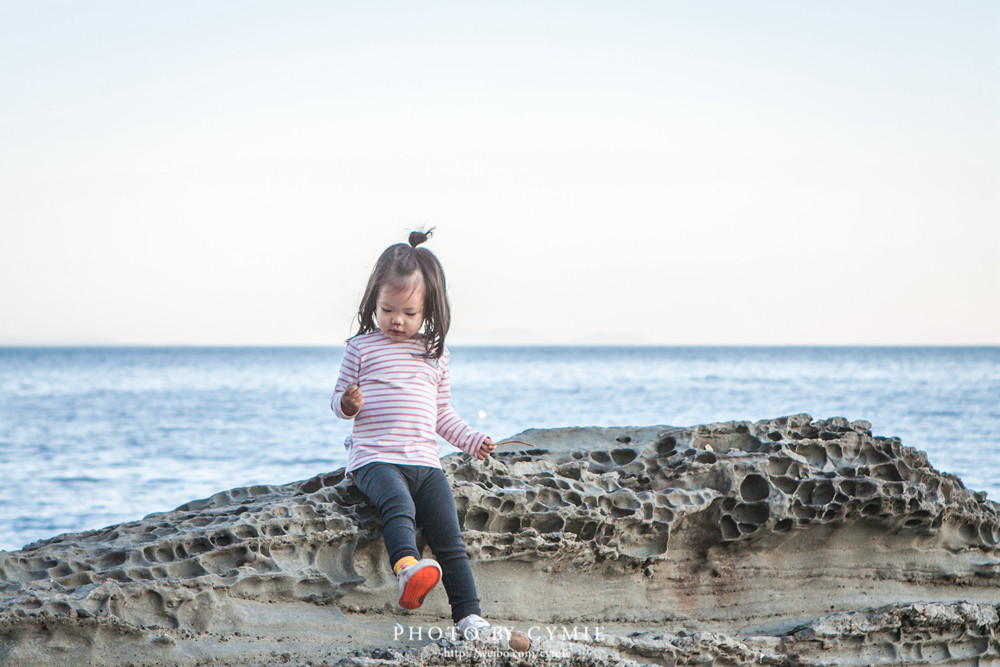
(394, 383)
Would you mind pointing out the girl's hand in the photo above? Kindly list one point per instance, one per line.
(352, 400)
(486, 449)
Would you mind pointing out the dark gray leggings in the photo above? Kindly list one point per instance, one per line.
(408, 495)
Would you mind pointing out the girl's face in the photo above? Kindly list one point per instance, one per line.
(399, 309)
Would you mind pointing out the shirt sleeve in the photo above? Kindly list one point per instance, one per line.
(350, 371)
(450, 426)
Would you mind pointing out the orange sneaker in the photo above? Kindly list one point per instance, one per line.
(416, 581)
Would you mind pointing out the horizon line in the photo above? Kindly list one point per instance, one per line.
(109, 345)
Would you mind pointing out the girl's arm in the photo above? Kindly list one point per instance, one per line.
(453, 428)
(347, 383)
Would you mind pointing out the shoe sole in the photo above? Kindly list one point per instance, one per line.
(417, 588)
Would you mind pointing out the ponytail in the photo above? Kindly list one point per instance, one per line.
(416, 238)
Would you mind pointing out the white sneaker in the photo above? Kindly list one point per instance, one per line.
(474, 626)
(416, 581)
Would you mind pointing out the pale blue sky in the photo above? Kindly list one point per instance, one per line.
(655, 172)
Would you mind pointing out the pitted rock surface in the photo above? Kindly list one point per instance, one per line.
(785, 541)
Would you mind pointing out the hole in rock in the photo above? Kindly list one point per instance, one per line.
(804, 492)
(745, 442)
(199, 546)
(969, 532)
(186, 569)
(311, 486)
(600, 456)
(477, 519)
(872, 508)
(822, 493)
(832, 513)
(624, 439)
(244, 531)
(662, 515)
(730, 531)
(814, 454)
(623, 455)
(549, 523)
(114, 559)
(754, 487)
(887, 471)
(61, 570)
(77, 580)
(783, 526)
(666, 445)
(57, 607)
(756, 513)
(778, 466)
(222, 539)
(546, 479)
(570, 471)
(865, 489)
(870, 455)
(509, 525)
(802, 512)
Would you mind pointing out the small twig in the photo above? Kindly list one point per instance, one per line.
(513, 442)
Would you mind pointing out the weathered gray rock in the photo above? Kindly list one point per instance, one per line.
(786, 541)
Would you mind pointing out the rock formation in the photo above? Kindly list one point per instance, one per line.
(786, 541)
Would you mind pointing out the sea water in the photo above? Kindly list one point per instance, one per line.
(95, 436)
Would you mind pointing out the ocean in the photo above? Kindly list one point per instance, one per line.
(95, 436)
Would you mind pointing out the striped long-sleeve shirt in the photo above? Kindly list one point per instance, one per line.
(407, 401)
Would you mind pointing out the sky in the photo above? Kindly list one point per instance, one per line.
(661, 172)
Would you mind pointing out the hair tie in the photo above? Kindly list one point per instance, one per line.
(416, 238)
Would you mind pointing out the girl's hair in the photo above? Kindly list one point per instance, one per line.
(397, 263)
